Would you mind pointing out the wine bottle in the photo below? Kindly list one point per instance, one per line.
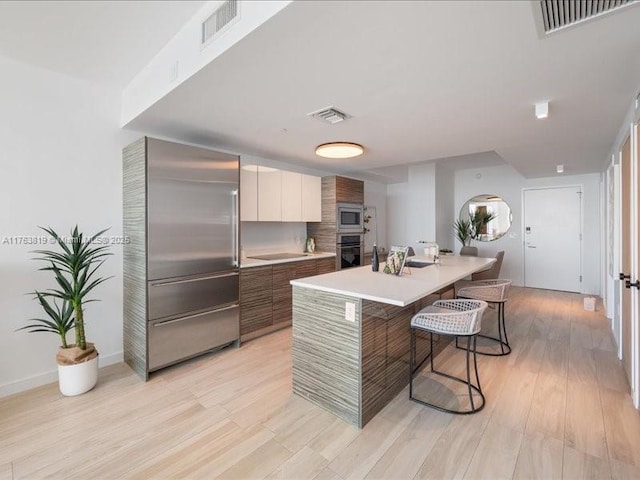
(375, 262)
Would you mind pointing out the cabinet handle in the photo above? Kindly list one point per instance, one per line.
(177, 282)
(622, 276)
(195, 315)
(236, 227)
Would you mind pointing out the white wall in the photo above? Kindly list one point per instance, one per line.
(375, 197)
(508, 183)
(411, 207)
(61, 164)
(445, 207)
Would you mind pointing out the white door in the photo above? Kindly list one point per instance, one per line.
(552, 231)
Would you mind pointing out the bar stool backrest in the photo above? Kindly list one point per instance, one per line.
(487, 290)
(452, 317)
(493, 272)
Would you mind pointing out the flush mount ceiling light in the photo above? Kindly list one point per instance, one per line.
(560, 168)
(339, 150)
(542, 110)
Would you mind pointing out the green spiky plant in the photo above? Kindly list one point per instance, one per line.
(479, 220)
(74, 268)
(61, 318)
(464, 231)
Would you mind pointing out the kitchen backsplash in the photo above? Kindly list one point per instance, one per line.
(273, 237)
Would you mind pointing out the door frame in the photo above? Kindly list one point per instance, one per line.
(633, 134)
(635, 261)
(523, 233)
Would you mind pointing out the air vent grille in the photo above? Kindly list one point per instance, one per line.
(219, 19)
(557, 14)
(330, 115)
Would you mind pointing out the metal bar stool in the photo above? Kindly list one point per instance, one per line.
(493, 292)
(459, 318)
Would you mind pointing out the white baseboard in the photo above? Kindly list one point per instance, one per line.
(50, 376)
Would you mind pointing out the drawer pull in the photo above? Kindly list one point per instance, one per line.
(195, 315)
(189, 280)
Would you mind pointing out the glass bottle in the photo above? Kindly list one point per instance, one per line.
(375, 262)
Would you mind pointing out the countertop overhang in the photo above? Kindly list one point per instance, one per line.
(414, 284)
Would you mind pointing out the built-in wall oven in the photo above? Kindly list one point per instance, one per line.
(350, 251)
(350, 218)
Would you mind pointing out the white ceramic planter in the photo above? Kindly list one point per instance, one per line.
(78, 379)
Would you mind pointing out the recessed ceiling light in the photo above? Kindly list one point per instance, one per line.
(339, 150)
(542, 110)
(560, 168)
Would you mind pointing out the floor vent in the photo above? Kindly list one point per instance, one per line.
(558, 14)
(218, 20)
(330, 115)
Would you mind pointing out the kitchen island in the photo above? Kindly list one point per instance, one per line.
(351, 333)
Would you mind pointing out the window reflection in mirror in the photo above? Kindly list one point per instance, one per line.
(494, 206)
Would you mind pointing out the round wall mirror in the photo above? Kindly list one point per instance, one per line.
(490, 217)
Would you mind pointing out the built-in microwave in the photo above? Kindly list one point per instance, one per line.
(350, 218)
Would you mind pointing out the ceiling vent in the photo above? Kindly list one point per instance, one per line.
(330, 115)
(558, 14)
(218, 20)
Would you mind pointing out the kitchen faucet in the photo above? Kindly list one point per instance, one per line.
(430, 245)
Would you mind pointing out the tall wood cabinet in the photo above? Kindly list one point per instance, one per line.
(334, 190)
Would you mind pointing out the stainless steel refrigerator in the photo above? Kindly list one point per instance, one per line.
(192, 251)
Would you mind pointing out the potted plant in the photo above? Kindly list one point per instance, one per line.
(74, 267)
(479, 221)
(464, 233)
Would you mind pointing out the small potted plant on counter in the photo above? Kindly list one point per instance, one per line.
(74, 267)
(464, 233)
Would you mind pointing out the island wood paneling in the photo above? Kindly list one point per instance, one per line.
(353, 369)
(134, 254)
(326, 352)
(385, 352)
(256, 298)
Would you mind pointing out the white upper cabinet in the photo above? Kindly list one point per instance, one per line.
(249, 193)
(269, 194)
(311, 198)
(291, 197)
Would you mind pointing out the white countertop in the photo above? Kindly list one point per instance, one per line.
(254, 262)
(362, 282)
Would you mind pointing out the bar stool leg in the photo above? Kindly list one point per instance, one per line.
(504, 326)
(469, 375)
(412, 360)
(475, 362)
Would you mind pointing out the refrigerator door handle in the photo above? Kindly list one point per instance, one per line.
(162, 283)
(181, 319)
(236, 227)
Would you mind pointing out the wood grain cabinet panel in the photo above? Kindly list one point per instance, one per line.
(307, 268)
(266, 294)
(349, 190)
(256, 299)
(282, 275)
(325, 265)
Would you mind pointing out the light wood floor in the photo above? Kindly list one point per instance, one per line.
(557, 407)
